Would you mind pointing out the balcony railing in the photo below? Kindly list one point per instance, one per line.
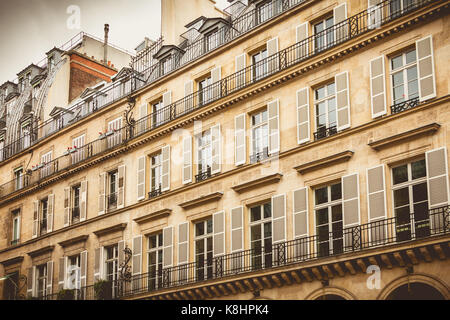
(75, 214)
(155, 192)
(405, 105)
(324, 132)
(203, 175)
(301, 51)
(112, 200)
(259, 156)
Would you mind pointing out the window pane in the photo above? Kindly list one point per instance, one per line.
(199, 229)
(397, 79)
(330, 89)
(267, 210)
(401, 197)
(320, 93)
(412, 73)
(399, 94)
(400, 174)
(420, 192)
(199, 246)
(321, 108)
(396, 62)
(336, 192)
(321, 195)
(209, 226)
(413, 90)
(336, 213)
(322, 216)
(255, 213)
(267, 230)
(256, 233)
(418, 169)
(331, 104)
(411, 56)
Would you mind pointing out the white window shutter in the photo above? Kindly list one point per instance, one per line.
(183, 243)
(66, 207)
(167, 101)
(437, 177)
(143, 120)
(301, 33)
(240, 62)
(83, 267)
(339, 15)
(350, 198)
(187, 160)
(62, 273)
(216, 143)
(377, 87)
(300, 210)
(303, 120)
(273, 62)
(425, 67)
(374, 14)
(49, 277)
(98, 264)
(83, 200)
(274, 127)
(168, 237)
(50, 210)
(102, 193)
(237, 229)
(141, 177)
(189, 99)
(165, 176)
(31, 281)
(136, 264)
(35, 219)
(376, 193)
(121, 188)
(121, 253)
(240, 151)
(342, 101)
(278, 218)
(219, 233)
(216, 76)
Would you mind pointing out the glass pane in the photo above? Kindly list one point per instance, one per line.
(255, 233)
(320, 93)
(420, 192)
(401, 197)
(418, 169)
(268, 230)
(331, 104)
(255, 213)
(411, 73)
(318, 27)
(413, 89)
(336, 213)
(322, 216)
(397, 79)
(396, 62)
(267, 210)
(263, 116)
(400, 174)
(323, 232)
(209, 244)
(199, 229)
(209, 226)
(321, 195)
(330, 89)
(399, 95)
(199, 246)
(336, 192)
(411, 56)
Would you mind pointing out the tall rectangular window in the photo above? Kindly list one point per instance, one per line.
(46, 162)
(41, 279)
(404, 77)
(204, 249)
(115, 132)
(18, 178)
(78, 144)
(15, 237)
(158, 113)
(112, 265)
(155, 260)
(204, 91)
(325, 110)
(74, 272)
(261, 235)
(324, 34)
(113, 188)
(204, 152)
(409, 187)
(260, 133)
(328, 216)
(25, 134)
(76, 191)
(156, 172)
(259, 67)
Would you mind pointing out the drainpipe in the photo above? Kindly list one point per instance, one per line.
(105, 45)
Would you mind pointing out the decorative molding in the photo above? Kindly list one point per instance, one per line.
(117, 227)
(411, 134)
(153, 216)
(41, 251)
(273, 178)
(330, 160)
(74, 240)
(201, 200)
(12, 261)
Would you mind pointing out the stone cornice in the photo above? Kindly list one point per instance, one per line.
(327, 161)
(12, 261)
(111, 229)
(255, 183)
(153, 216)
(215, 196)
(41, 251)
(74, 240)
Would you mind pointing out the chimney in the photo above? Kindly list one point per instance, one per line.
(105, 44)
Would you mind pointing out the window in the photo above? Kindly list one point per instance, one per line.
(76, 191)
(51, 63)
(115, 132)
(213, 39)
(325, 110)
(409, 187)
(78, 144)
(21, 85)
(10, 291)
(328, 215)
(260, 131)
(43, 218)
(324, 34)
(204, 249)
(113, 188)
(112, 265)
(2, 150)
(166, 65)
(156, 172)
(74, 272)
(204, 91)
(261, 235)
(41, 279)
(204, 152)
(398, 7)
(263, 12)
(158, 113)
(27, 79)
(155, 260)
(25, 134)
(259, 67)
(15, 238)
(18, 178)
(404, 77)
(46, 162)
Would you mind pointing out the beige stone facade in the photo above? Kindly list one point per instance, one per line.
(303, 176)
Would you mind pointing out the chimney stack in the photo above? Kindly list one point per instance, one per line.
(105, 45)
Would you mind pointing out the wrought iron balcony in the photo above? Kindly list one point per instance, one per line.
(112, 200)
(203, 175)
(405, 105)
(324, 132)
(155, 192)
(260, 156)
(15, 242)
(75, 214)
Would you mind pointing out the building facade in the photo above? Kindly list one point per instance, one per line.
(284, 149)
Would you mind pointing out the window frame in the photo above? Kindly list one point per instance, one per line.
(404, 70)
(159, 253)
(261, 222)
(205, 237)
(331, 31)
(15, 231)
(253, 150)
(256, 73)
(204, 147)
(154, 184)
(327, 97)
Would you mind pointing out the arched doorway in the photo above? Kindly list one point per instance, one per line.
(330, 297)
(415, 291)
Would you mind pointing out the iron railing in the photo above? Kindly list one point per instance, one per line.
(155, 192)
(259, 156)
(203, 175)
(405, 105)
(324, 132)
(112, 200)
(343, 31)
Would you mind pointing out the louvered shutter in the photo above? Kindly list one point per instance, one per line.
(49, 278)
(301, 33)
(165, 163)
(141, 178)
(62, 273)
(121, 187)
(376, 203)
(437, 177)
(350, 207)
(183, 243)
(240, 151)
(83, 200)
(216, 76)
(121, 253)
(143, 120)
(278, 218)
(219, 233)
(50, 209)
(31, 281)
(216, 149)
(343, 101)
(274, 126)
(102, 193)
(83, 271)
(273, 62)
(303, 121)
(377, 87)
(237, 237)
(374, 14)
(136, 268)
(189, 98)
(168, 247)
(340, 15)
(35, 219)
(66, 207)
(167, 101)
(425, 64)
(300, 222)
(98, 264)
(187, 160)
(240, 67)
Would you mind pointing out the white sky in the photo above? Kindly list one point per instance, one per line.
(29, 28)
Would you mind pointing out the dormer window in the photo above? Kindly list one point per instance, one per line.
(166, 65)
(21, 85)
(51, 63)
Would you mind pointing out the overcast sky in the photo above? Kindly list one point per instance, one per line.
(29, 28)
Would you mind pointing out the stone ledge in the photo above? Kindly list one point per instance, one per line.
(41, 251)
(117, 227)
(153, 216)
(201, 200)
(317, 164)
(257, 182)
(74, 240)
